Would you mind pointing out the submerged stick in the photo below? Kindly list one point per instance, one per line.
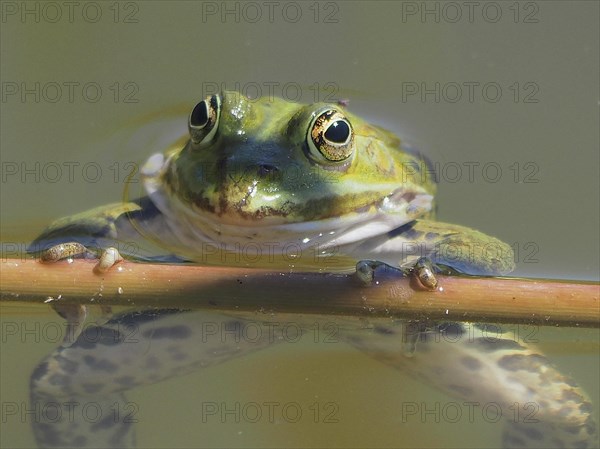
(513, 300)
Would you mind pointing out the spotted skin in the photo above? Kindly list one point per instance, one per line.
(138, 348)
(469, 362)
(61, 251)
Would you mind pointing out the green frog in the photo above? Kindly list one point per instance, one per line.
(272, 183)
(277, 184)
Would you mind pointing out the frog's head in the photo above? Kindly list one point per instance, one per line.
(270, 162)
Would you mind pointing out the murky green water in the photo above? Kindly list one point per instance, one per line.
(309, 391)
(517, 157)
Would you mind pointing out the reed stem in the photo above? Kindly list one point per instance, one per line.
(532, 301)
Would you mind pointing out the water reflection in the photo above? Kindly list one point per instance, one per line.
(79, 391)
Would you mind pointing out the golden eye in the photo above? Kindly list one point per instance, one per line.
(331, 137)
(204, 119)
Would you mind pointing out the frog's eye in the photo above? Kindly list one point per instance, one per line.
(330, 137)
(204, 119)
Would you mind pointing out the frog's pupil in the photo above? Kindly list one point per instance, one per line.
(200, 114)
(338, 132)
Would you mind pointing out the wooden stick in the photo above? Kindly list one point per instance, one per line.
(513, 300)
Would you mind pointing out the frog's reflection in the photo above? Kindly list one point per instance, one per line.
(79, 389)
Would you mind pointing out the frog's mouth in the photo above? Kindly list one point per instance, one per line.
(354, 225)
(358, 213)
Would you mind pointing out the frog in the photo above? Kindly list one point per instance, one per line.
(268, 182)
(272, 183)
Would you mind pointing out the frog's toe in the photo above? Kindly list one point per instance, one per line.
(368, 270)
(365, 271)
(109, 258)
(63, 251)
(424, 273)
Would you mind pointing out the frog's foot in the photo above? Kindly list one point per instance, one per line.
(108, 257)
(423, 272)
(448, 246)
(84, 235)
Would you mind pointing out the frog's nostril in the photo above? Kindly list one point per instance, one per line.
(267, 170)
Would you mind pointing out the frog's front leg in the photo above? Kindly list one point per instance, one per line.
(80, 234)
(424, 247)
(472, 252)
(459, 248)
